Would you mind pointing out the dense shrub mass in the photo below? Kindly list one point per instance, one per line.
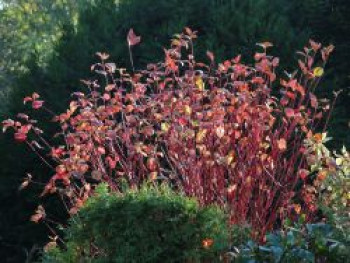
(55, 48)
(214, 132)
(152, 224)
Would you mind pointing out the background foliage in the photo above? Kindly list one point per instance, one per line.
(48, 46)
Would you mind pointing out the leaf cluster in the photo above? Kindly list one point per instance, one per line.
(297, 243)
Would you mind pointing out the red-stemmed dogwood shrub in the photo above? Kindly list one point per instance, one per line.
(229, 133)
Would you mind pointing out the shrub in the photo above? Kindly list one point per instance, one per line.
(297, 243)
(227, 134)
(329, 179)
(152, 224)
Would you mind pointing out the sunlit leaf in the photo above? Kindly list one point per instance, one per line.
(165, 126)
(201, 135)
(220, 131)
(289, 112)
(132, 38)
(200, 84)
(210, 55)
(318, 71)
(282, 144)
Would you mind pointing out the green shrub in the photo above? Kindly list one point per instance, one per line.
(297, 243)
(330, 177)
(152, 224)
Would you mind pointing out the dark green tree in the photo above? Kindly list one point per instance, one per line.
(29, 30)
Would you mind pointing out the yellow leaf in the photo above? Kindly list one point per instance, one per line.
(318, 71)
(200, 135)
(188, 110)
(200, 83)
(176, 42)
(338, 161)
(165, 126)
(195, 123)
(230, 157)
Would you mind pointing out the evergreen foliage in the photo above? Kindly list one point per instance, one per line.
(152, 224)
(308, 243)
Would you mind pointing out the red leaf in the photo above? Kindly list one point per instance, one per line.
(169, 61)
(314, 45)
(101, 150)
(284, 101)
(106, 97)
(37, 104)
(110, 87)
(319, 115)
(132, 38)
(73, 210)
(112, 162)
(237, 134)
(275, 62)
(303, 174)
(182, 121)
(313, 101)
(35, 96)
(152, 164)
(26, 99)
(20, 136)
(290, 95)
(289, 112)
(188, 31)
(6, 124)
(25, 128)
(210, 55)
(300, 89)
(302, 66)
(259, 56)
(61, 169)
(282, 144)
(57, 152)
(237, 59)
(39, 214)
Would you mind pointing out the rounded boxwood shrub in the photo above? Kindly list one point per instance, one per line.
(152, 224)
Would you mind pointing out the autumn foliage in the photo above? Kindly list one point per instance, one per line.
(226, 133)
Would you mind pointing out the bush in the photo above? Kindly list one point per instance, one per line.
(215, 132)
(329, 179)
(152, 224)
(297, 243)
